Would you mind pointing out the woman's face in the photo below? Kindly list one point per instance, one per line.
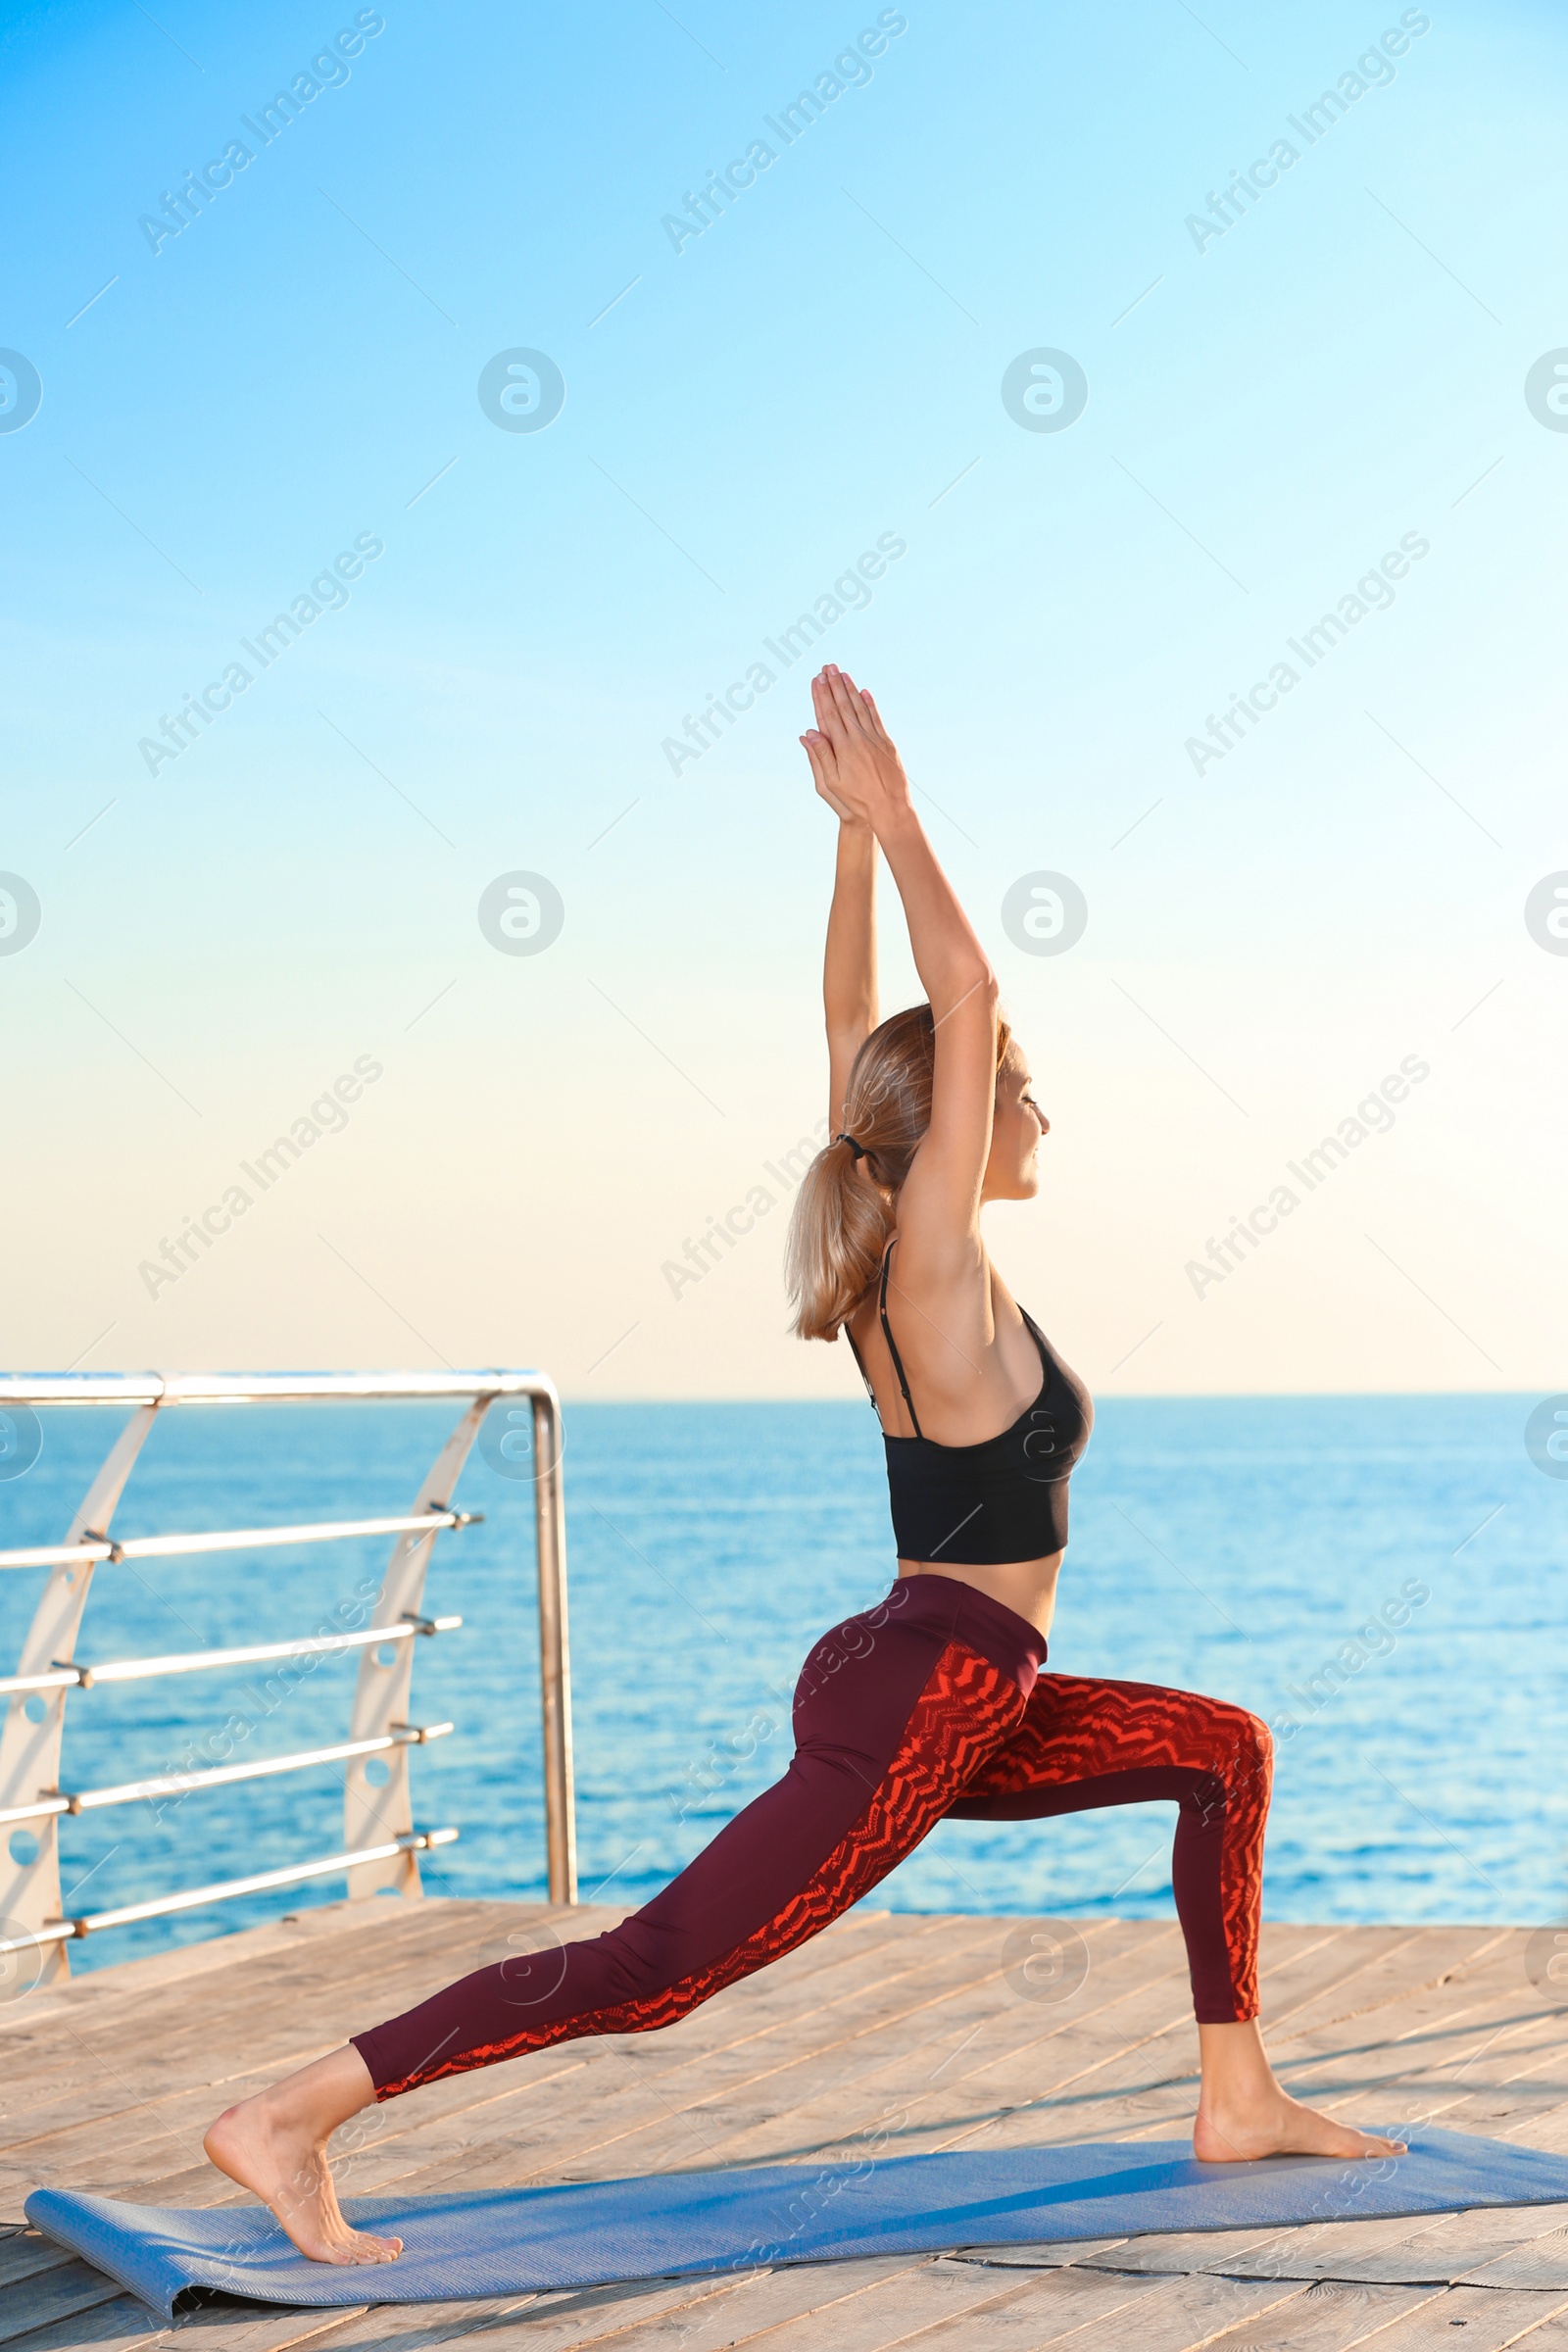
(1018, 1123)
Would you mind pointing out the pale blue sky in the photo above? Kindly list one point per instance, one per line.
(1266, 418)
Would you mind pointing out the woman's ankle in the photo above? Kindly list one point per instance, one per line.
(1235, 2067)
(319, 2098)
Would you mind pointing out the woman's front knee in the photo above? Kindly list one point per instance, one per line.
(1242, 1746)
(1252, 1750)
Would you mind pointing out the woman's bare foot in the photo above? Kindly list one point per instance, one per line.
(1244, 2112)
(1280, 2127)
(275, 2145)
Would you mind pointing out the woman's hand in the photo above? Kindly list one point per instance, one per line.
(853, 762)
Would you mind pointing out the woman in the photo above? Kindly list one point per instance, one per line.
(933, 1703)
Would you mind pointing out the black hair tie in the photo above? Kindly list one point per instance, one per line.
(858, 1149)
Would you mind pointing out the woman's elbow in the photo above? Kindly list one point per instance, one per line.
(975, 984)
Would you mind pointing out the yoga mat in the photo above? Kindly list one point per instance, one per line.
(686, 2225)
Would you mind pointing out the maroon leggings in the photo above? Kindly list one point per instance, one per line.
(930, 1704)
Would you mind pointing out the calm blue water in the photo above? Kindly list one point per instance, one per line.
(1231, 1545)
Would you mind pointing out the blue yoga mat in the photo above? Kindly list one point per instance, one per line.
(685, 2224)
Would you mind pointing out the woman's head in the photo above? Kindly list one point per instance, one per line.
(846, 1205)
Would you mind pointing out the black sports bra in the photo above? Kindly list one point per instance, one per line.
(1005, 1500)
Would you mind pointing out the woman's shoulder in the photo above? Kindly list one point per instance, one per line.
(965, 1308)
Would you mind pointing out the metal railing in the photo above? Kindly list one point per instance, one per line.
(382, 1846)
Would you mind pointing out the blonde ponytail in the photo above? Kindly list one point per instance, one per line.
(847, 1208)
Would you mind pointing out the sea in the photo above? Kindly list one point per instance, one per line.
(1381, 1578)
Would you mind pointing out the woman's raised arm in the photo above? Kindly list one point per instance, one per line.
(849, 967)
(860, 773)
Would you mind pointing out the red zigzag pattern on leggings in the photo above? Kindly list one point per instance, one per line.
(1076, 1729)
(965, 1709)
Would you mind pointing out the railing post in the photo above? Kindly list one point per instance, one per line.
(381, 1695)
(555, 1663)
(30, 1751)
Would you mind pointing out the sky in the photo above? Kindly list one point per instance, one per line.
(1058, 433)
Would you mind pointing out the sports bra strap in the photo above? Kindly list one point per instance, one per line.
(887, 1334)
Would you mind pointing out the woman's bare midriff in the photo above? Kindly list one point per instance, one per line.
(1028, 1588)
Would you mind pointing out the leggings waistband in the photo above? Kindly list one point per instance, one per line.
(962, 1613)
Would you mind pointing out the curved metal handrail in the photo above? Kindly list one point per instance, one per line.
(29, 1751)
(262, 1388)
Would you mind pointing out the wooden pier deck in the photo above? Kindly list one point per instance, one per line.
(910, 2027)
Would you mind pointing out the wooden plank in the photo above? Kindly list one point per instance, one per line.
(690, 2312)
(222, 2326)
(1547, 2335)
(25, 2251)
(1430, 2075)
(842, 2306)
(1332, 1960)
(1411, 1960)
(1072, 2049)
(1307, 2250)
(1524, 2084)
(1173, 2315)
(1049, 2254)
(548, 2323)
(1328, 2317)
(1436, 2055)
(337, 1967)
(1490, 2320)
(807, 2309)
(218, 1972)
(263, 2063)
(52, 2295)
(276, 1988)
(844, 2068)
(1276, 2253)
(1411, 2100)
(1431, 2249)
(1393, 2056)
(932, 2306)
(1370, 1965)
(125, 1980)
(115, 2065)
(1442, 2040)
(1451, 2245)
(123, 2325)
(1539, 2262)
(1080, 2307)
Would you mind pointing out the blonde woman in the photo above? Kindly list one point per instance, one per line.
(934, 1704)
